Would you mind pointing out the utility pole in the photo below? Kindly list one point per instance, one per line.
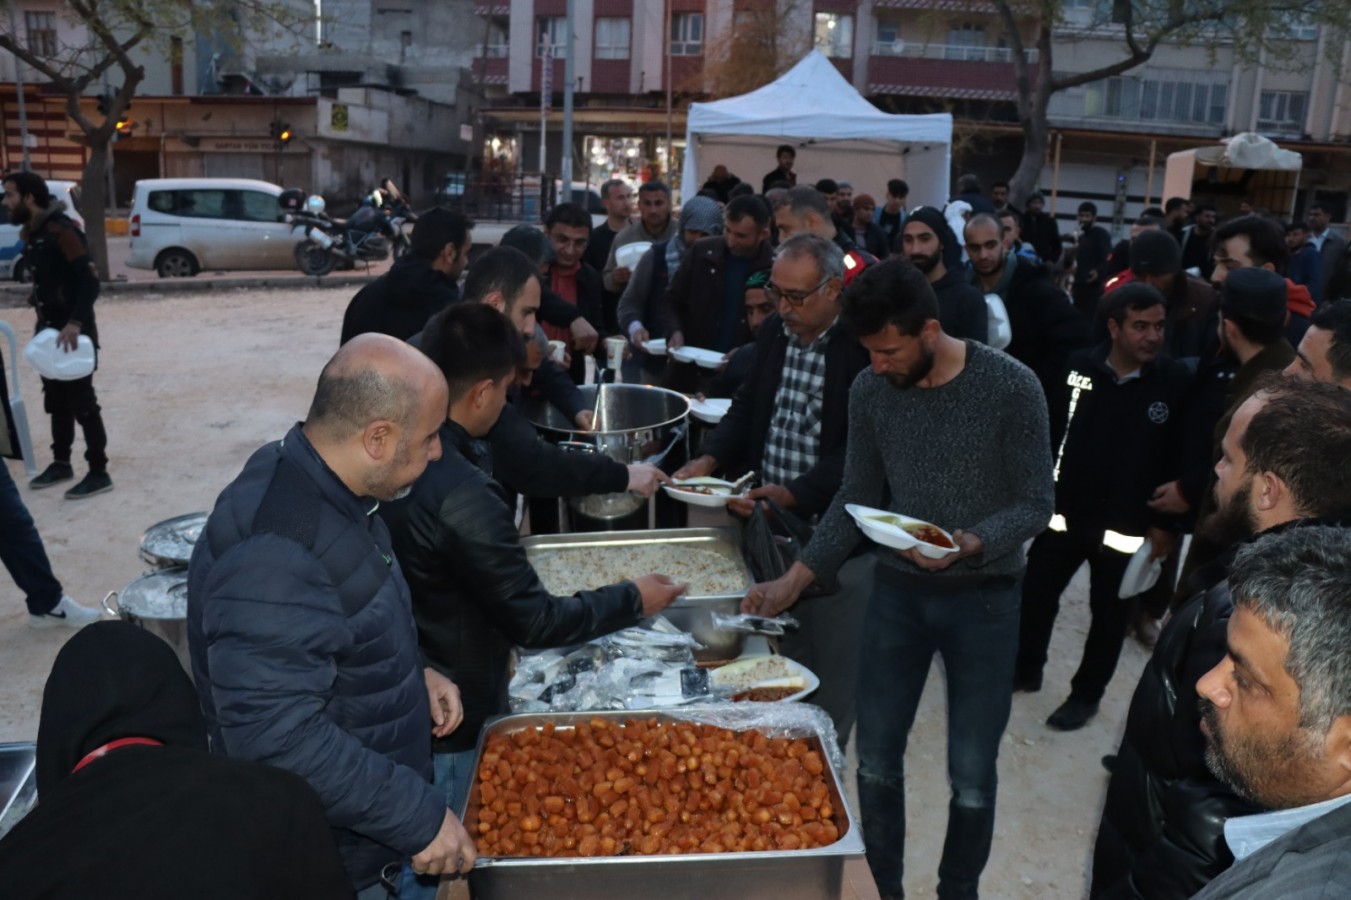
(18, 84)
(569, 85)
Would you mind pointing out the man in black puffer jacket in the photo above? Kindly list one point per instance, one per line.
(1162, 831)
(474, 592)
(418, 285)
(303, 646)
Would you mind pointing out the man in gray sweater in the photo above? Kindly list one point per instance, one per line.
(956, 434)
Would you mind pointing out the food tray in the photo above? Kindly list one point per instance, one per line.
(692, 614)
(815, 874)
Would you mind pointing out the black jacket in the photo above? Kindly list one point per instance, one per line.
(738, 443)
(1122, 440)
(1046, 326)
(474, 592)
(65, 284)
(400, 302)
(526, 464)
(305, 654)
(1041, 231)
(961, 307)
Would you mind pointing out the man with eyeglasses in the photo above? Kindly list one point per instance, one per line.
(788, 421)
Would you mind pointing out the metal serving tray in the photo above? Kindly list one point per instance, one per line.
(18, 783)
(815, 874)
(693, 614)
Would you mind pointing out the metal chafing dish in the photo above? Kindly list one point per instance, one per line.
(18, 783)
(693, 614)
(814, 874)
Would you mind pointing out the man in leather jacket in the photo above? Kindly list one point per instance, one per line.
(1162, 831)
(475, 594)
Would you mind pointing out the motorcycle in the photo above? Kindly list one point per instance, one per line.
(327, 242)
(399, 215)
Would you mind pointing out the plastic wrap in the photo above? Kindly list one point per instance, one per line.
(745, 623)
(775, 720)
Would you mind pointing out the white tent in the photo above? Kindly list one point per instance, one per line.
(837, 134)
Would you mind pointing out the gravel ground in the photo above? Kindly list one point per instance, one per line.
(191, 384)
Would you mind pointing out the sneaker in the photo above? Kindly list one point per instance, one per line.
(56, 473)
(91, 484)
(1073, 714)
(68, 613)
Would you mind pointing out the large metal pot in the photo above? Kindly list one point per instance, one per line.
(635, 424)
(157, 602)
(168, 544)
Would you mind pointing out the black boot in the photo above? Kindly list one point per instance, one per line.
(966, 850)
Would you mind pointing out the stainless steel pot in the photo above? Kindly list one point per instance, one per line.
(157, 602)
(634, 424)
(168, 544)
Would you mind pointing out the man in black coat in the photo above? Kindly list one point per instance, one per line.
(1041, 231)
(475, 594)
(1046, 326)
(1115, 428)
(1090, 260)
(789, 421)
(418, 285)
(928, 242)
(65, 287)
(1162, 831)
(784, 173)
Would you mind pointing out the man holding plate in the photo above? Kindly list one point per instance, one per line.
(956, 434)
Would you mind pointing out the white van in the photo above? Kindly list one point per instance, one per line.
(180, 226)
(11, 248)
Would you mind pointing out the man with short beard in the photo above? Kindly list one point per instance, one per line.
(65, 287)
(1325, 352)
(977, 419)
(1046, 326)
(1282, 467)
(1276, 713)
(928, 242)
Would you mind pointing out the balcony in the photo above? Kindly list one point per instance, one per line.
(1168, 101)
(491, 9)
(490, 69)
(954, 71)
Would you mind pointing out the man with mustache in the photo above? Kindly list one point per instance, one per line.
(956, 434)
(1115, 430)
(1283, 466)
(1276, 714)
(928, 242)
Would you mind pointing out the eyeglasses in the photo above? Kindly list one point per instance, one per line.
(794, 298)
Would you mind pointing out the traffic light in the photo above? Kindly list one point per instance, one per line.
(281, 133)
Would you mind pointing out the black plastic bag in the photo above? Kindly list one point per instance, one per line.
(772, 538)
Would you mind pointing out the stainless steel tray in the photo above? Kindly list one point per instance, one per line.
(693, 614)
(783, 874)
(18, 783)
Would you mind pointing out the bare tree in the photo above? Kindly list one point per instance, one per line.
(760, 46)
(113, 31)
(1256, 29)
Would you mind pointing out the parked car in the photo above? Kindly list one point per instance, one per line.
(180, 226)
(11, 248)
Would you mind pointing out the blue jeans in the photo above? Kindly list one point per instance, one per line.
(453, 773)
(975, 631)
(21, 549)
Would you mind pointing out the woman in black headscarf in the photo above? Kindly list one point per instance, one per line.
(131, 804)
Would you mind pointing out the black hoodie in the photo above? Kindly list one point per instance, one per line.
(400, 302)
(155, 821)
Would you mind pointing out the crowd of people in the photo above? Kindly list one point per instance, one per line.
(357, 589)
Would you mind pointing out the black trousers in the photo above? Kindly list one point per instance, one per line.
(1051, 563)
(69, 402)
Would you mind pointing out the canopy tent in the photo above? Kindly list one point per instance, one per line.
(1246, 166)
(837, 134)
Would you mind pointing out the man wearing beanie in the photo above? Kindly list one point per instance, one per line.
(928, 242)
(1156, 260)
(1253, 316)
(867, 233)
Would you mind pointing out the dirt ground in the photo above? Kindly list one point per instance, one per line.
(191, 384)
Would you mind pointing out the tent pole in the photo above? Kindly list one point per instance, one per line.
(670, 150)
(1055, 174)
(1149, 182)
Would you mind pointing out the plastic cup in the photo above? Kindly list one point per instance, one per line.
(556, 349)
(614, 352)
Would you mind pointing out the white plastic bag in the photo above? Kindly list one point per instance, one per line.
(56, 362)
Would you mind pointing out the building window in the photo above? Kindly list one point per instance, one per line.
(552, 32)
(687, 34)
(1156, 100)
(835, 34)
(966, 42)
(41, 32)
(612, 38)
(1282, 111)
